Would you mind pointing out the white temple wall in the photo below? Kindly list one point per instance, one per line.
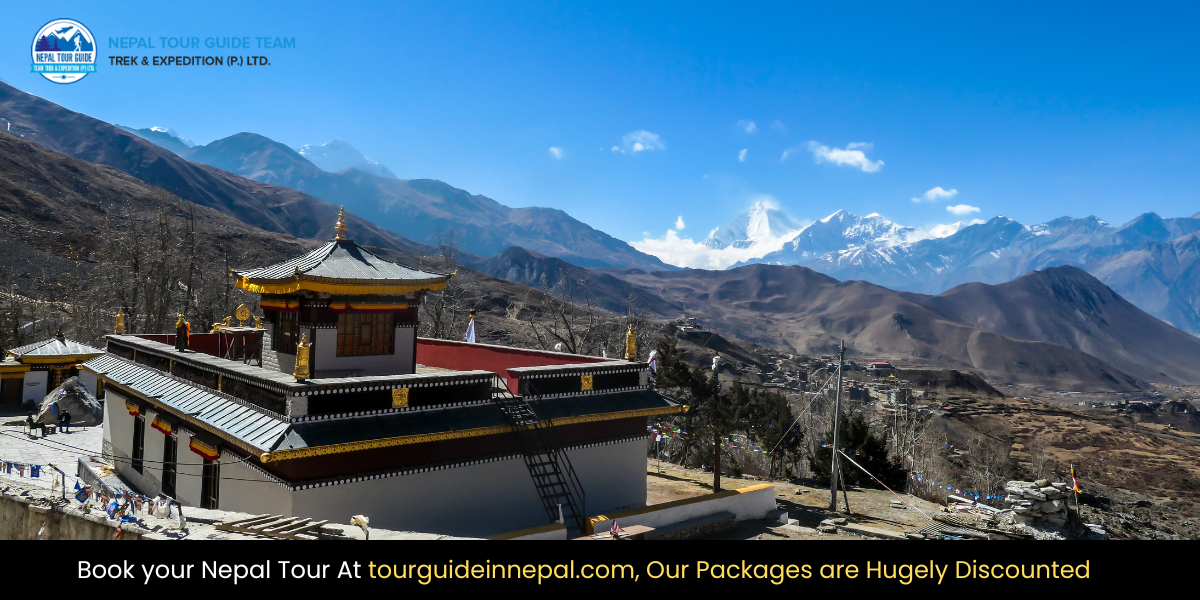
(35, 386)
(118, 431)
(482, 499)
(474, 500)
(612, 476)
(189, 469)
(398, 363)
(152, 455)
(243, 489)
(88, 379)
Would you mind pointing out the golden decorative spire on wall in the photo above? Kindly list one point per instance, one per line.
(301, 371)
(120, 328)
(630, 345)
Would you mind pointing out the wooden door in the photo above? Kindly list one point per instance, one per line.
(10, 390)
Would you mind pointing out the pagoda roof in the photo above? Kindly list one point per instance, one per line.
(54, 350)
(339, 267)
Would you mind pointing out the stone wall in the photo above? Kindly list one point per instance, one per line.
(1040, 501)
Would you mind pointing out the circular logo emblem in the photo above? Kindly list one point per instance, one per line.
(64, 51)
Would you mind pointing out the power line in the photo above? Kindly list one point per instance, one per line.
(130, 461)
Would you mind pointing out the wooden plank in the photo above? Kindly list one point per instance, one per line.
(298, 527)
(287, 525)
(271, 523)
(311, 527)
(241, 521)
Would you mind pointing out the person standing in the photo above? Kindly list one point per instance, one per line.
(64, 422)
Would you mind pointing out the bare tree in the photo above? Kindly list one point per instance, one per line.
(986, 462)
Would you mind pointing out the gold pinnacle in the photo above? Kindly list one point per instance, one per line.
(340, 227)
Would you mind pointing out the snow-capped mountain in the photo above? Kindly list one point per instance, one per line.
(336, 155)
(174, 134)
(842, 234)
(165, 137)
(759, 224)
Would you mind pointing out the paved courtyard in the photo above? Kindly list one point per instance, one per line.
(61, 449)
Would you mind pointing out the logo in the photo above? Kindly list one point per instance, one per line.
(64, 51)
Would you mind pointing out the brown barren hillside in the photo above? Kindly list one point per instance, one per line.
(809, 312)
(1065, 305)
(268, 207)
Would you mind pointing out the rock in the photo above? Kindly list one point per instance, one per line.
(1062, 485)
(828, 522)
(1033, 495)
(1051, 507)
(839, 521)
(1021, 510)
(1024, 519)
(73, 397)
(1016, 487)
(1058, 521)
(1041, 483)
(827, 529)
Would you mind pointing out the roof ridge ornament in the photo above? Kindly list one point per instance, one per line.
(340, 226)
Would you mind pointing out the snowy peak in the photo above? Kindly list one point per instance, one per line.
(337, 155)
(759, 224)
(844, 229)
(175, 134)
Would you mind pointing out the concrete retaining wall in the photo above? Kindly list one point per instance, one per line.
(752, 502)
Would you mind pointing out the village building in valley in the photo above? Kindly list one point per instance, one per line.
(329, 405)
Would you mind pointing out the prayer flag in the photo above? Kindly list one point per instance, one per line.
(1074, 481)
(470, 336)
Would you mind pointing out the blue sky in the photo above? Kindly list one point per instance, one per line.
(1025, 111)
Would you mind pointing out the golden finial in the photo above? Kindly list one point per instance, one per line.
(340, 227)
(301, 371)
(179, 322)
(120, 328)
(630, 344)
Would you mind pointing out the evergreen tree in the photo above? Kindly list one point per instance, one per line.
(867, 449)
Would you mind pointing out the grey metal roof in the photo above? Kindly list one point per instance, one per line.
(342, 260)
(262, 431)
(218, 411)
(55, 347)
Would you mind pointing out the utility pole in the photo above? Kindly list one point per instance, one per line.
(837, 421)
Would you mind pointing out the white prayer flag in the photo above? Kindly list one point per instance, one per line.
(470, 337)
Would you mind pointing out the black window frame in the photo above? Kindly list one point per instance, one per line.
(138, 453)
(287, 331)
(210, 484)
(170, 466)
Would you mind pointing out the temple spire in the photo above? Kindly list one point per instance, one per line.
(340, 227)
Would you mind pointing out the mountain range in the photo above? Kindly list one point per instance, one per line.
(1050, 324)
(420, 209)
(337, 155)
(1153, 262)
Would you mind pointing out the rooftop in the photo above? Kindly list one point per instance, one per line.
(339, 266)
(56, 347)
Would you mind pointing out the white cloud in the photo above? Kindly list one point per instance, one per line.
(679, 224)
(747, 126)
(556, 152)
(962, 209)
(742, 155)
(936, 194)
(948, 229)
(640, 141)
(779, 126)
(852, 155)
(681, 251)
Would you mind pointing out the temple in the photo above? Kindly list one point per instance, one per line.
(329, 405)
(29, 372)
